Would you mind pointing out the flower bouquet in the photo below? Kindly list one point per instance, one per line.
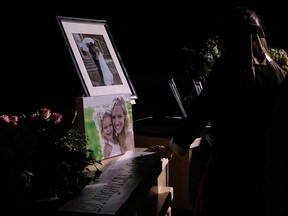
(44, 160)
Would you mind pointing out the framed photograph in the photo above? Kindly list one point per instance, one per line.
(96, 57)
(107, 122)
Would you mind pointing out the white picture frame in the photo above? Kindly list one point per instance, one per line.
(78, 34)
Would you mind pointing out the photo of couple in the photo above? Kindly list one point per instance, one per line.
(95, 56)
(108, 125)
(97, 60)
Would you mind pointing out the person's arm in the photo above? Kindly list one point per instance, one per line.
(107, 150)
(168, 150)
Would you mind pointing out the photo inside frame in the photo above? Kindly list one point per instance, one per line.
(107, 122)
(96, 57)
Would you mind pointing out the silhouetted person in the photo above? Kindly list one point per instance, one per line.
(237, 100)
(276, 184)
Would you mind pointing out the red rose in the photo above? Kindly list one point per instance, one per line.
(56, 117)
(14, 120)
(45, 113)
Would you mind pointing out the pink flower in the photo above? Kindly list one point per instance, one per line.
(45, 113)
(37, 123)
(14, 120)
(56, 117)
(5, 118)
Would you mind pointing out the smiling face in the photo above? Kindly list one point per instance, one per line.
(107, 127)
(118, 118)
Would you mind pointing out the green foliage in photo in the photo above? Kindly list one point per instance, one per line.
(93, 139)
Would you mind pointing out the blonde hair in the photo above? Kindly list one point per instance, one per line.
(98, 118)
(121, 137)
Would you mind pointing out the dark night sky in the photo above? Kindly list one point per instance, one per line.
(37, 69)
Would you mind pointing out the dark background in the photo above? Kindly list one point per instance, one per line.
(38, 71)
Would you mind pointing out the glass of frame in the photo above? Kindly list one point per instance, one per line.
(95, 57)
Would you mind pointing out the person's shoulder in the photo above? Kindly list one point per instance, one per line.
(130, 132)
(110, 143)
(276, 69)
